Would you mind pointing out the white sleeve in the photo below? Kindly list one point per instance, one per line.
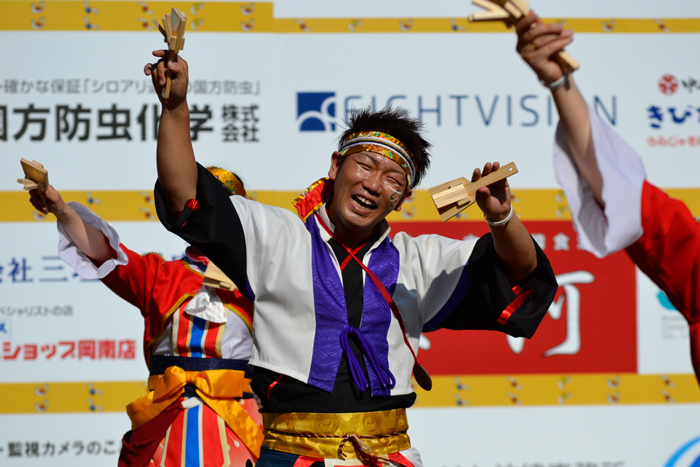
(77, 259)
(276, 240)
(431, 267)
(619, 225)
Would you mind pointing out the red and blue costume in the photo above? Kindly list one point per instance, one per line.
(197, 342)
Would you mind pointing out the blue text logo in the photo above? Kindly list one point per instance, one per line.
(316, 111)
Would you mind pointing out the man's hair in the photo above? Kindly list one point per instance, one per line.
(396, 122)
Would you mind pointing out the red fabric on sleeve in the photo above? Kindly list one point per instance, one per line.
(192, 204)
(521, 298)
(669, 253)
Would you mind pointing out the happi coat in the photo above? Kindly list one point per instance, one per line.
(293, 277)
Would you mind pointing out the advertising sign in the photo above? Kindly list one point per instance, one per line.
(605, 382)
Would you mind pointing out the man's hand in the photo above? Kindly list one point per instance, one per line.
(47, 202)
(511, 240)
(538, 44)
(494, 200)
(178, 74)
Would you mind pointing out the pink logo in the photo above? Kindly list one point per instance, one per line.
(668, 84)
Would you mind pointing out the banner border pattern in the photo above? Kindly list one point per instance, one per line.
(258, 17)
(448, 391)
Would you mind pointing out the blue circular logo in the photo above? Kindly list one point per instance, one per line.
(687, 455)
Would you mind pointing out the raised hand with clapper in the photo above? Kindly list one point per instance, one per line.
(36, 177)
(510, 12)
(453, 197)
(173, 30)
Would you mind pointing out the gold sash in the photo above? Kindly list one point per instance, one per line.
(337, 435)
(217, 388)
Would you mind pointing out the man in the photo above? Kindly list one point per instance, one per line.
(612, 205)
(339, 306)
(197, 342)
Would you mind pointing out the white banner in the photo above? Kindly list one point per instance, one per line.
(628, 436)
(270, 106)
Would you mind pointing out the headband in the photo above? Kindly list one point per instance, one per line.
(383, 144)
(229, 180)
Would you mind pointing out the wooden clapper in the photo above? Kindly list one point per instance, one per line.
(453, 197)
(510, 12)
(36, 177)
(214, 277)
(173, 30)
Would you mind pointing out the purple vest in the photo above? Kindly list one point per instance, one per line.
(332, 329)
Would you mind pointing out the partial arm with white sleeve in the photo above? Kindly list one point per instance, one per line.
(659, 233)
(73, 255)
(616, 223)
(612, 205)
(87, 243)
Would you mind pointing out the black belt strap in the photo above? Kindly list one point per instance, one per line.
(160, 363)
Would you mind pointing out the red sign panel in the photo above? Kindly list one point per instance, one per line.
(590, 328)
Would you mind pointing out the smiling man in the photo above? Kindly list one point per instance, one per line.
(340, 305)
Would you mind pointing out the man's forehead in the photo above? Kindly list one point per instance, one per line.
(382, 144)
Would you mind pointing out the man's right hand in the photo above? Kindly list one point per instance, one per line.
(538, 44)
(49, 201)
(178, 74)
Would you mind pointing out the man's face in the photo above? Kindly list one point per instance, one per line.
(367, 188)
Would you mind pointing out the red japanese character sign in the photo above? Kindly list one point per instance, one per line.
(589, 328)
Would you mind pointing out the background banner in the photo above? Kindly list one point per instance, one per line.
(607, 379)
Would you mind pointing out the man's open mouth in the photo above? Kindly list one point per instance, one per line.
(363, 203)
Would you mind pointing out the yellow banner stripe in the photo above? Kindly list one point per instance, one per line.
(131, 16)
(461, 25)
(529, 205)
(77, 397)
(448, 391)
(548, 390)
(259, 17)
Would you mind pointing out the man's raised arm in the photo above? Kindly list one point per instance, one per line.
(538, 44)
(177, 168)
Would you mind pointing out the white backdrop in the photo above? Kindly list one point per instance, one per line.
(479, 103)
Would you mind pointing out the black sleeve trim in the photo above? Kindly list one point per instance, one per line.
(215, 229)
(491, 292)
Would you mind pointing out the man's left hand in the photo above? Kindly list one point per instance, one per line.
(493, 200)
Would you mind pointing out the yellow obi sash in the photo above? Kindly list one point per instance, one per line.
(337, 435)
(217, 388)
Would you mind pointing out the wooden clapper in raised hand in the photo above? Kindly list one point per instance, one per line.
(453, 197)
(36, 177)
(510, 12)
(173, 30)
